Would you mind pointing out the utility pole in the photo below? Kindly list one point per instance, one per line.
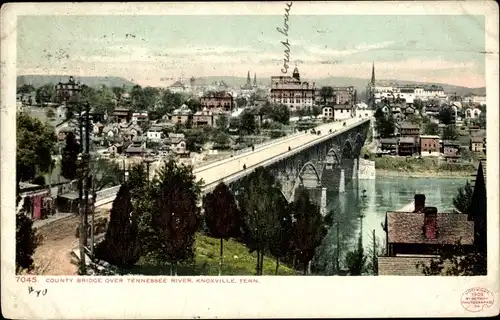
(374, 259)
(337, 262)
(86, 168)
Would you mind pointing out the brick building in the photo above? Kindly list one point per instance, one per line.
(429, 145)
(217, 100)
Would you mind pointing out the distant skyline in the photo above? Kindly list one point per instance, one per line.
(144, 49)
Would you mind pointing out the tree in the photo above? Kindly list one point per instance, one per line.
(35, 145)
(45, 94)
(316, 111)
(308, 228)
(194, 104)
(281, 114)
(69, 157)
(356, 260)
(104, 173)
(256, 199)
(431, 128)
(446, 116)
(280, 228)
(449, 133)
(379, 113)
(374, 252)
(222, 216)
(118, 92)
(25, 241)
(463, 199)
(120, 246)
(326, 93)
(222, 122)
(137, 182)
(248, 125)
(241, 102)
(170, 216)
(301, 113)
(171, 101)
(26, 88)
(385, 126)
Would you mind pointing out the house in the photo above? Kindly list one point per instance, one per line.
(410, 130)
(472, 113)
(418, 236)
(32, 197)
(63, 132)
(327, 112)
(130, 133)
(115, 148)
(178, 87)
(138, 118)
(155, 134)
(451, 150)
(389, 144)
(429, 145)
(217, 99)
(27, 99)
(97, 128)
(121, 114)
(406, 146)
(181, 115)
(179, 148)
(477, 144)
(175, 138)
(432, 110)
(135, 151)
(342, 111)
(408, 112)
(203, 117)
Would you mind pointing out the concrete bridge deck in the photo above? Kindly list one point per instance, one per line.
(231, 169)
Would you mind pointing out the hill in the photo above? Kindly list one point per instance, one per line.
(40, 80)
(358, 83)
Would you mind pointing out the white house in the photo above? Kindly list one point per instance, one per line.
(178, 87)
(472, 113)
(154, 134)
(342, 112)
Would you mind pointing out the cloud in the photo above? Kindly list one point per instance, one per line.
(363, 47)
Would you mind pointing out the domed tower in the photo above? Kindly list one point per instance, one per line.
(296, 74)
(192, 81)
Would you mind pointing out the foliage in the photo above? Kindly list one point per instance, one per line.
(69, 156)
(241, 102)
(308, 228)
(449, 133)
(463, 199)
(425, 164)
(120, 246)
(248, 125)
(257, 197)
(326, 93)
(45, 94)
(25, 241)
(171, 101)
(222, 216)
(445, 116)
(222, 122)
(35, 145)
(137, 181)
(374, 251)
(169, 215)
(104, 173)
(280, 228)
(356, 260)
(456, 261)
(25, 88)
(316, 111)
(195, 137)
(385, 126)
(431, 128)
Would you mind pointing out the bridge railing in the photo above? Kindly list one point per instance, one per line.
(267, 162)
(240, 153)
(106, 193)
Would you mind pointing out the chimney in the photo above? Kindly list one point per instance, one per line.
(430, 222)
(419, 202)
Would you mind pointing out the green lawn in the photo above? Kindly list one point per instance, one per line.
(237, 261)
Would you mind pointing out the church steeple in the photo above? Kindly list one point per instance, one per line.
(248, 78)
(254, 79)
(296, 74)
(373, 74)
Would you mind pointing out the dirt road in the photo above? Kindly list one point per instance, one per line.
(53, 255)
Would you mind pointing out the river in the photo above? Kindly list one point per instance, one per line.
(382, 194)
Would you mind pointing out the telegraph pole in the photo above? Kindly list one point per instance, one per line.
(86, 177)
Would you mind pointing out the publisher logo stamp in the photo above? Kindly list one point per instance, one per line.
(476, 299)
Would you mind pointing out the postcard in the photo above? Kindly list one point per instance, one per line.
(246, 160)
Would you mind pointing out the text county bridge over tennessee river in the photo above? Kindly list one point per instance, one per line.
(327, 159)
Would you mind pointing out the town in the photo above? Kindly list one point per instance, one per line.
(199, 124)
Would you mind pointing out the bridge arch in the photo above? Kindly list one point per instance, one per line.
(333, 153)
(307, 167)
(347, 150)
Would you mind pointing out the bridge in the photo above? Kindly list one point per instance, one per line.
(317, 161)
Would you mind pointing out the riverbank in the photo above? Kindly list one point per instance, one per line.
(425, 174)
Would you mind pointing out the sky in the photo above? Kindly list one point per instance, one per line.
(157, 50)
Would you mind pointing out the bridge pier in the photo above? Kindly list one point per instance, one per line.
(355, 168)
(342, 181)
(322, 207)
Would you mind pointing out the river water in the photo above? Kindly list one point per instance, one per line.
(382, 194)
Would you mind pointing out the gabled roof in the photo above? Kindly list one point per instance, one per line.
(407, 125)
(406, 140)
(406, 227)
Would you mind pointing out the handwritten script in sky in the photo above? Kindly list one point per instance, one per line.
(285, 43)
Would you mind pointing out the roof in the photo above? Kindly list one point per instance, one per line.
(406, 140)
(389, 140)
(132, 149)
(342, 106)
(477, 139)
(406, 227)
(407, 125)
(429, 137)
(451, 143)
(177, 84)
(403, 265)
